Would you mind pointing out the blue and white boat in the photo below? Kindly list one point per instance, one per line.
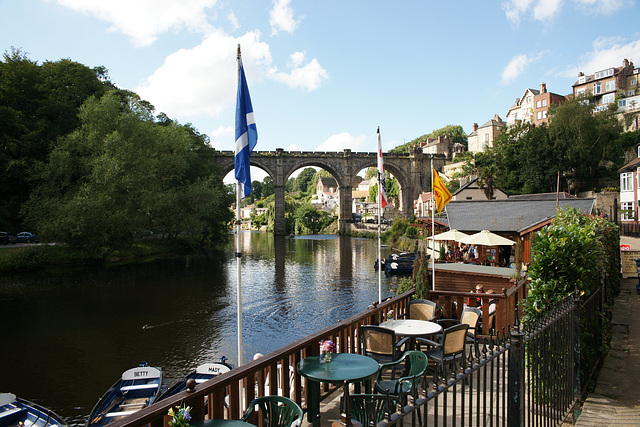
(202, 373)
(137, 388)
(19, 412)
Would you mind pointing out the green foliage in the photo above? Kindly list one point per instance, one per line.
(120, 175)
(576, 252)
(308, 218)
(586, 149)
(421, 276)
(455, 131)
(38, 104)
(411, 232)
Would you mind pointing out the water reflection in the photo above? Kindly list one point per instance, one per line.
(68, 336)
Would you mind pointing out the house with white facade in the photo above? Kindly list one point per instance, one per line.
(630, 189)
(533, 106)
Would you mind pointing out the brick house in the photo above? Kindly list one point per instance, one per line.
(533, 106)
(605, 85)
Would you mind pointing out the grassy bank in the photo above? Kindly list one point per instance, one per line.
(37, 257)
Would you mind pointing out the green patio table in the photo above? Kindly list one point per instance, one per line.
(343, 368)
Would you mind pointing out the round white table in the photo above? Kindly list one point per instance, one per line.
(412, 328)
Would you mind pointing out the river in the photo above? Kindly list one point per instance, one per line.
(68, 336)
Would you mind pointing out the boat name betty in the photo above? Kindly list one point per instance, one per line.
(141, 374)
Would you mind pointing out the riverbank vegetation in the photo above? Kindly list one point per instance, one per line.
(90, 166)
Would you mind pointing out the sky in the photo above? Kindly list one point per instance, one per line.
(323, 75)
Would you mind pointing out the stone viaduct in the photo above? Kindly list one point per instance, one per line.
(412, 171)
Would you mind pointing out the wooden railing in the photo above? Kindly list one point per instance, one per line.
(269, 375)
(452, 303)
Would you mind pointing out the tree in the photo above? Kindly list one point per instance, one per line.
(456, 132)
(38, 104)
(120, 175)
(303, 180)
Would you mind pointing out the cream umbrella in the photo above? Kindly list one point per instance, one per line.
(453, 234)
(487, 238)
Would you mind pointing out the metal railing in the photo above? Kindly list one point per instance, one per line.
(533, 375)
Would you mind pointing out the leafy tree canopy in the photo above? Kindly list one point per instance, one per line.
(455, 131)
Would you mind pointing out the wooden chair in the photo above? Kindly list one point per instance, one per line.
(471, 317)
(422, 309)
(380, 343)
(449, 350)
(276, 411)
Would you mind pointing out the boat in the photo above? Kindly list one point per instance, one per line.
(401, 263)
(137, 388)
(202, 373)
(19, 412)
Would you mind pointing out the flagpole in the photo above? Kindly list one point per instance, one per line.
(238, 246)
(433, 228)
(379, 225)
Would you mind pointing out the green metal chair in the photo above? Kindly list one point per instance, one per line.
(416, 363)
(371, 409)
(276, 411)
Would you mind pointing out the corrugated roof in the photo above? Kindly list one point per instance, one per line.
(507, 215)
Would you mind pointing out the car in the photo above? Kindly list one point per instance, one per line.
(6, 238)
(27, 237)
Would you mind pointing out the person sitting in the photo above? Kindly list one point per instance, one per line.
(478, 301)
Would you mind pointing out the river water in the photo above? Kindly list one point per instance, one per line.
(68, 336)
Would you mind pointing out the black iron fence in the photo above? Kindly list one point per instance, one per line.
(531, 375)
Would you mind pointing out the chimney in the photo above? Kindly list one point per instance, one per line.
(543, 88)
(497, 118)
(625, 62)
(580, 74)
(475, 127)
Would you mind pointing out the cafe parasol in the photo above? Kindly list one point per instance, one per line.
(487, 238)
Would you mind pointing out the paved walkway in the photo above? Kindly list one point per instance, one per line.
(616, 399)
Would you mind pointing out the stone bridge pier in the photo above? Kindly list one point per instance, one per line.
(412, 171)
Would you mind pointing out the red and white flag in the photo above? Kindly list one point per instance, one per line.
(382, 186)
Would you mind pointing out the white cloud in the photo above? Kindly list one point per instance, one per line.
(609, 52)
(517, 66)
(514, 68)
(293, 147)
(233, 20)
(221, 138)
(309, 76)
(144, 20)
(546, 11)
(202, 80)
(340, 141)
(605, 7)
(281, 17)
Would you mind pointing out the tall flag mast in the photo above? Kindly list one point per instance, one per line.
(382, 202)
(246, 140)
(440, 196)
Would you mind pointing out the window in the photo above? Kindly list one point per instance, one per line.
(597, 88)
(610, 85)
(622, 103)
(626, 181)
(627, 211)
(544, 102)
(538, 104)
(609, 98)
(604, 73)
(539, 115)
(486, 137)
(631, 92)
(528, 100)
(580, 92)
(582, 79)
(544, 114)
(634, 82)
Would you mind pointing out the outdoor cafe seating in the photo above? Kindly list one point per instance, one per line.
(275, 411)
(470, 316)
(422, 309)
(371, 409)
(449, 350)
(381, 343)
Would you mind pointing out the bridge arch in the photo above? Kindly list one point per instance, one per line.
(412, 171)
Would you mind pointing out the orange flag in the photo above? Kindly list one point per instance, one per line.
(440, 192)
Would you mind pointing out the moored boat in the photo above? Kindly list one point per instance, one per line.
(202, 373)
(19, 412)
(137, 388)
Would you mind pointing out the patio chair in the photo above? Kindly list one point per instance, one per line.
(422, 309)
(470, 316)
(449, 350)
(415, 364)
(380, 343)
(371, 409)
(276, 411)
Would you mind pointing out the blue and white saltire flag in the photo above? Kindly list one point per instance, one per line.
(246, 133)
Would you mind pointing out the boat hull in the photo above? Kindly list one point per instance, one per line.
(16, 411)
